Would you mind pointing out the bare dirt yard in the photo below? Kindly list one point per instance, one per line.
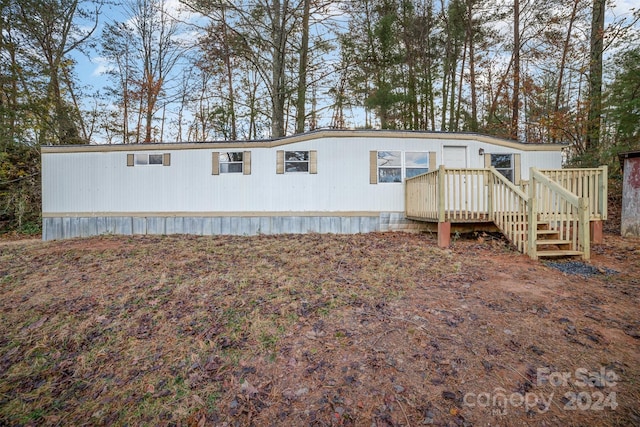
(316, 330)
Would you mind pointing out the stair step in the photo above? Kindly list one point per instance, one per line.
(547, 231)
(553, 242)
(559, 253)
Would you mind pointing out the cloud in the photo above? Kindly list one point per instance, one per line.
(101, 66)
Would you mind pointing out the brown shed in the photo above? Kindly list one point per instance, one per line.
(630, 220)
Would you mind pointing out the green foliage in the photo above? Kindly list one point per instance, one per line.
(38, 97)
(20, 189)
(375, 46)
(622, 115)
(623, 99)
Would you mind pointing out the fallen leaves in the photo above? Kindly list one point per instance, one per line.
(382, 329)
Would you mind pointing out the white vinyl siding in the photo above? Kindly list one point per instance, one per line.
(98, 179)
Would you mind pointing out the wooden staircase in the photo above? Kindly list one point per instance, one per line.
(550, 245)
(548, 216)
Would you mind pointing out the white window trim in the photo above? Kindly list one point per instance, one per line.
(224, 162)
(403, 165)
(512, 162)
(308, 161)
(137, 156)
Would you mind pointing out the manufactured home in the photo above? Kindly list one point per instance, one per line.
(325, 181)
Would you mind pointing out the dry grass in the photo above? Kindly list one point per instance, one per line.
(381, 329)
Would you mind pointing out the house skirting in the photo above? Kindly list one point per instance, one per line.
(67, 226)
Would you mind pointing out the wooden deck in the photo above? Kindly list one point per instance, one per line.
(458, 217)
(550, 215)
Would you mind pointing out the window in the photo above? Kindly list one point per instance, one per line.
(231, 162)
(415, 164)
(394, 166)
(296, 161)
(389, 166)
(503, 164)
(145, 159)
(148, 159)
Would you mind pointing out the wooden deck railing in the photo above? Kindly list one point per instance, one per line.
(565, 200)
(448, 195)
(509, 210)
(562, 210)
(465, 194)
(421, 197)
(583, 182)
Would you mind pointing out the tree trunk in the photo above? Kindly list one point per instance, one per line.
(76, 105)
(515, 103)
(472, 68)
(302, 78)
(565, 52)
(228, 65)
(595, 75)
(456, 123)
(278, 77)
(149, 107)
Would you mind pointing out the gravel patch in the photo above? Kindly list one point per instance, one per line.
(580, 268)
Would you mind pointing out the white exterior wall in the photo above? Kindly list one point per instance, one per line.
(82, 187)
(101, 182)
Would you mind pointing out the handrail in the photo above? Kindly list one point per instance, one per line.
(464, 196)
(508, 183)
(585, 182)
(572, 198)
(445, 194)
(563, 211)
(509, 209)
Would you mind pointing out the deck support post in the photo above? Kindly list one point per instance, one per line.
(596, 232)
(490, 184)
(532, 213)
(444, 234)
(441, 193)
(584, 228)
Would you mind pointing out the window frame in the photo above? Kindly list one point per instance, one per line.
(405, 168)
(511, 169)
(392, 168)
(144, 159)
(231, 162)
(306, 161)
(402, 166)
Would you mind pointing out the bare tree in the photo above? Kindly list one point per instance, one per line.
(145, 48)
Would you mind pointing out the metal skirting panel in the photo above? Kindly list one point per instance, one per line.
(54, 228)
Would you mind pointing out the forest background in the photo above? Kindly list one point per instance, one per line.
(142, 71)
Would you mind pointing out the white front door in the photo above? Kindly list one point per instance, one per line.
(454, 156)
(457, 193)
